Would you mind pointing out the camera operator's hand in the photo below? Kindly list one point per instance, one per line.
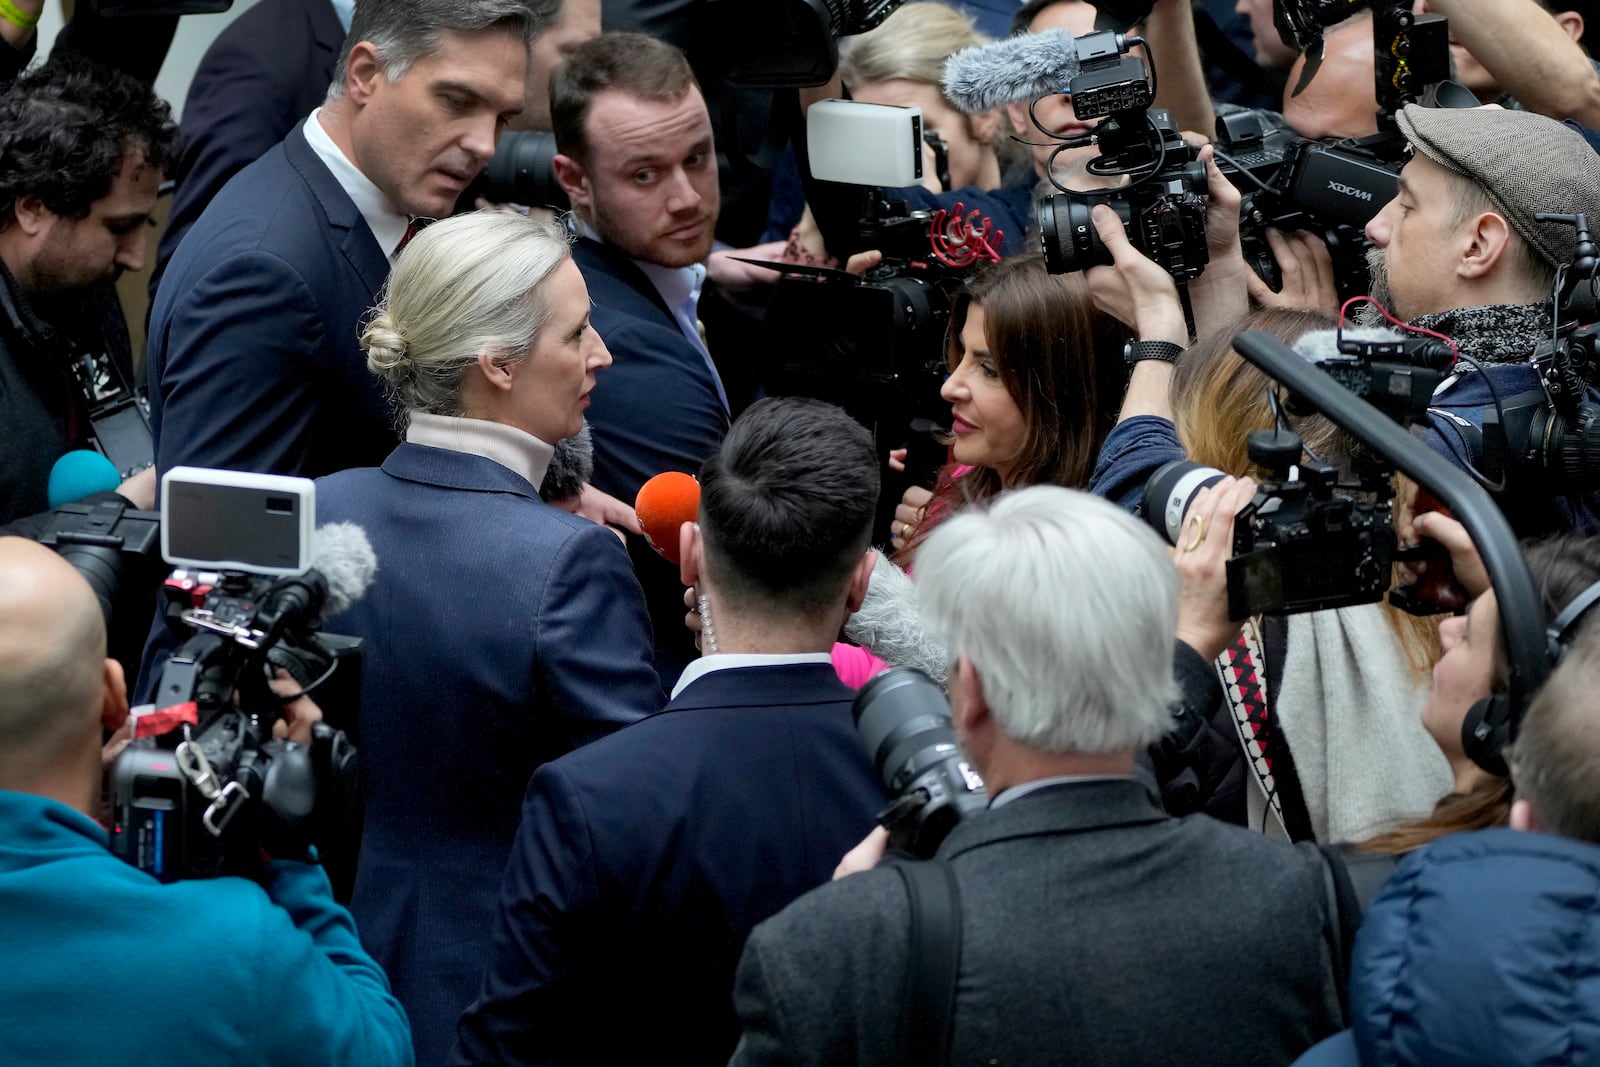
(1307, 271)
(140, 490)
(908, 515)
(1464, 558)
(725, 269)
(1220, 295)
(864, 856)
(1134, 289)
(862, 262)
(299, 715)
(1204, 545)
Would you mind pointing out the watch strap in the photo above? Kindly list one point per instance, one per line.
(1138, 351)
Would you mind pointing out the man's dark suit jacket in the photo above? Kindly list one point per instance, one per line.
(266, 71)
(655, 409)
(1095, 929)
(645, 858)
(500, 633)
(255, 360)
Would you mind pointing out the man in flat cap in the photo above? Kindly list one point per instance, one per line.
(1461, 251)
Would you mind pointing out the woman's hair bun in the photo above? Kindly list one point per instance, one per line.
(385, 346)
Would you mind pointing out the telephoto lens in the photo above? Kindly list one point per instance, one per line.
(904, 721)
(1170, 490)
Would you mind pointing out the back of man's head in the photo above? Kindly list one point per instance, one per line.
(52, 665)
(1066, 607)
(1555, 762)
(404, 31)
(634, 63)
(67, 126)
(786, 507)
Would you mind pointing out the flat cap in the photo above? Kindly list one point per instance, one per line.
(1526, 163)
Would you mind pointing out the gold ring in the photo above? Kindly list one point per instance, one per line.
(1199, 534)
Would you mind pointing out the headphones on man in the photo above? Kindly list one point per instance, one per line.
(1492, 722)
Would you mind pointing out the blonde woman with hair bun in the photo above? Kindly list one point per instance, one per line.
(499, 631)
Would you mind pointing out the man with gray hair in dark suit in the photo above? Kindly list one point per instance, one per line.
(1091, 926)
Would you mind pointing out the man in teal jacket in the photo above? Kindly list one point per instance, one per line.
(102, 963)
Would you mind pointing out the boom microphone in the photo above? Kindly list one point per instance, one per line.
(1018, 68)
(344, 557)
(664, 504)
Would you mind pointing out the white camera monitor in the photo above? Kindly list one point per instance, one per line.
(864, 144)
(236, 521)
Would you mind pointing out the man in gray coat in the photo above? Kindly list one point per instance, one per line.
(1093, 927)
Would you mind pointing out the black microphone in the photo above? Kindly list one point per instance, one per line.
(1018, 68)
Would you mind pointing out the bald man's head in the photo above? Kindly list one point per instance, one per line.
(1341, 100)
(52, 659)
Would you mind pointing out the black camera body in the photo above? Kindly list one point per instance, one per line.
(1163, 208)
(1303, 544)
(904, 722)
(1334, 189)
(204, 789)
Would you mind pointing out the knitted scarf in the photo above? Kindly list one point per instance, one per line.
(1492, 333)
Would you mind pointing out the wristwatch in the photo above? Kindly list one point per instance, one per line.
(1138, 351)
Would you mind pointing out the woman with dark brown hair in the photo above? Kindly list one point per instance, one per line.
(1035, 373)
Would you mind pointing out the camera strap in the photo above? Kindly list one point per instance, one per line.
(932, 961)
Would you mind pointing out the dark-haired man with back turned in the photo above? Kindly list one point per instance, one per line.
(647, 856)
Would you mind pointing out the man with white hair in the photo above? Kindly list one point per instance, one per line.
(1091, 926)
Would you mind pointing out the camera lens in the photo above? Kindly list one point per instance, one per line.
(1067, 235)
(904, 721)
(522, 171)
(1169, 491)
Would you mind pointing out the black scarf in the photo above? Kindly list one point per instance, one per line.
(1492, 333)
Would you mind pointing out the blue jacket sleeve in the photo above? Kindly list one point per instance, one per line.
(324, 999)
(593, 646)
(1134, 450)
(239, 385)
(547, 903)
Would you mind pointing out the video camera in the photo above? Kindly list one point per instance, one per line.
(1333, 190)
(785, 44)
(1546, 440)
(875, 344)
(904, 722)
(1162, 207)
(204, 789)
(1308, 542)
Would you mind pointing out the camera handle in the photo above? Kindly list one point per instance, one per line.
(1521, 616)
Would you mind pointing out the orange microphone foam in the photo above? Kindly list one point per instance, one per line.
(665, 503)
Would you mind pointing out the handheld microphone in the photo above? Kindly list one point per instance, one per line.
(664, 504)
(1025, 67)
(78, 474)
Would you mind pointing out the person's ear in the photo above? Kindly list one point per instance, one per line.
(1021, 124)
(363, 70)
(1572, 22)
(860, 578)
(33, 218)
(968, 709)
(1523, 817)
(498, 370)
(690, 553)
(1485, 241)
(114, 702)
(574, 181)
